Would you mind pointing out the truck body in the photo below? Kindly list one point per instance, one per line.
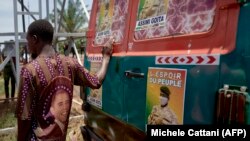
(195, 48)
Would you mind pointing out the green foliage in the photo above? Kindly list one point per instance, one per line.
(8, 137)
(73, 17)
(73, 20)
(8, 119)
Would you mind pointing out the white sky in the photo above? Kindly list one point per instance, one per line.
(7, 16)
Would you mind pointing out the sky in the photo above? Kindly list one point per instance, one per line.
(7, 16)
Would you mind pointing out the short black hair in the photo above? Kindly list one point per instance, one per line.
(43, 29)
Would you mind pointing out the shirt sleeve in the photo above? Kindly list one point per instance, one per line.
(26, 94)
(83, 77)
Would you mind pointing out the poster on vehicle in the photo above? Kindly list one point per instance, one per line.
(104, 18)
(165, 96)
(152, 13)
(95, 96)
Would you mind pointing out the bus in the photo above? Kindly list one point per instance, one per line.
(195, 54)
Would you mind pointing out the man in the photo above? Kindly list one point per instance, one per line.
(82, 47)
(8, 72)
(162, 114)
(39, 74)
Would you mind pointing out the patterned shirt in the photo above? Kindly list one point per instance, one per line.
(36, 75)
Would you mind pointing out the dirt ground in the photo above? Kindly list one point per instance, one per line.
(8, 121)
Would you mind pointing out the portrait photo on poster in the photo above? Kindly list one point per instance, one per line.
(165, 96)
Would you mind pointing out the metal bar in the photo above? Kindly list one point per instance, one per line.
(7, 130)
(11, 33)
(47, 9)
(59, 24)
(70, 34)
(23, 17)
(3, 99)
(85, 9)
(40, 9)
(56, 22)
(55, 14)
(61, 15)
(77, 55)
(72, 44)
(16, 41)
(20, 41)
(26, 9)
(28, 13)
(13, 68)
(6, 60)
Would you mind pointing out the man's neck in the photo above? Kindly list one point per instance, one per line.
(47, 51)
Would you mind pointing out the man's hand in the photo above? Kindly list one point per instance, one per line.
(107, 50)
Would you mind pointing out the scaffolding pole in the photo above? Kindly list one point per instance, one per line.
(57, 25)
(16, 42)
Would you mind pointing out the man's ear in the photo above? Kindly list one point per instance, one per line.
(34, 38)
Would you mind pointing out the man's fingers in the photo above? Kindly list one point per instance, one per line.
(110, 42)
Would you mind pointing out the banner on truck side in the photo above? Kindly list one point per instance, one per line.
(104, 18)
(165, 96)
(151, 14)
(95, 96)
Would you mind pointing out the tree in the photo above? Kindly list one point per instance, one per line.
(73, 20)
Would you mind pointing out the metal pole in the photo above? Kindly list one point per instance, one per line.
(75, 49)
(47, 9)
(56, 15)
(34, 18)
(23, 17)
(61, 15)
(56, 21)
(6, 60)
(40, 9)
(24, 27)
(16, 42)
(85, 9)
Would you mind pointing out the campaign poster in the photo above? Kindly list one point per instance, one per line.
(152, 13)
(104, 19)
(165, 96)
(95, 96)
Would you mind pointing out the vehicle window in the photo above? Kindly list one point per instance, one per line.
(162, 18)
(110, 18)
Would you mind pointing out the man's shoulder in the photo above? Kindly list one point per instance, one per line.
(67, 59)
(29, 67)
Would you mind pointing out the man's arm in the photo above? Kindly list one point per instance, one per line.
(82, 76)
(107, 52)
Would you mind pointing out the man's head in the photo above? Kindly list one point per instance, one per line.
(60, 105)
(39, 32)
(164, 95)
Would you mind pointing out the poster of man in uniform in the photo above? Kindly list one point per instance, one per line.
(95, 96)
(152, 13)
(104, 19)
(165, 96)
